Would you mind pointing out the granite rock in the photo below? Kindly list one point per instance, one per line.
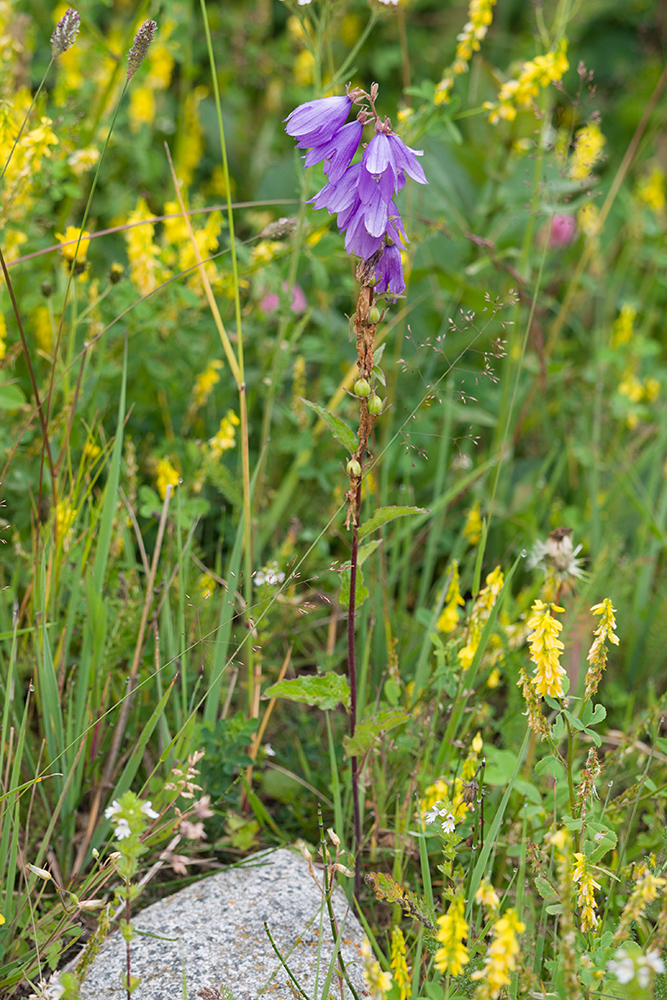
(211, 935)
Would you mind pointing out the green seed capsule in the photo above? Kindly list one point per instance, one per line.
(362, 388)
(353, 468)
(374, 314)
(375, 406)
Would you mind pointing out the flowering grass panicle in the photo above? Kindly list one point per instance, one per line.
(597, 654)
(140, 46)
(501, 956)
(65, 32)
(452, 954)
(545, 649)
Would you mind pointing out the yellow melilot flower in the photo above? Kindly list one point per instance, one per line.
(586, 885)
(588, 147)
(521, 92)
(622, 330)
(377, 981)
(480, 16)
(588, 219)
(479, 615)
(486, 895)
(398, 963)
(597, 654)
(630, 386)
(82, 160)
(226, 436)
(72, 233)
(190, 148)
(472, 529)
(166, 475)
(142, 107)
(501, 956)
(449, 617)
(64, 516)
(652, 190)
(545, 650)
(205, 382)
(452, 954)
(143, 254)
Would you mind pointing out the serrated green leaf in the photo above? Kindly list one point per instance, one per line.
(326, 692)
(368, 731)
(385, 514)
(338, 427)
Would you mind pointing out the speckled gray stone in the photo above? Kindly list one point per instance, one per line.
(212, 935)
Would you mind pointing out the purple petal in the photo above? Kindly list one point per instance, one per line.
(318, 120)
(405, 158)
(375, 213)
(377, 155)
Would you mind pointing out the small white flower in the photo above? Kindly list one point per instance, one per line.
(147, 810)
(268, 750)
(122, 829)
(653, 960)
(55, 988)
(450, 824)
(622, 966)
(113, 809)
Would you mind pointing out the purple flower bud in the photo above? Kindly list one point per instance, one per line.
(389, 272)
(65, 32)
(142, 41)
(317, 121)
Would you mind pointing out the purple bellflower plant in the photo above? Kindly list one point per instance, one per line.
(361, 194)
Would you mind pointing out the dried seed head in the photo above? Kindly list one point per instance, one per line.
(65, 32)
(281, 227)
(142, 41)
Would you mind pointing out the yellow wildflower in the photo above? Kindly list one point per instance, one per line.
(623, 325)
(449, 617)
(226, 436)
(479, 615)
(480, 15)
(206, 585)
(586, 884)
(631, 387)
(205, 381)
(486, 895)
(545, 649)
(588, 219)
(472, 529)
(452, 954)
(166, 475)
(652, 190)
(398, 963)
(91, 450)
(501, 956)
(651, 389)
(43, 329)
(82, 160)
(142, 107)
(265, 251)
(72, 233)
(597, 654)
(522, 91)
(190, 147)
(377, 982)
(145, 267)
(588, 147)
(64, 517)
(304, 67)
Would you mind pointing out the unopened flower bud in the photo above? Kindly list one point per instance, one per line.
(353, 467)
(116, 272)
(41, 873)
(375, 406)
(46, 288)
(65, 32)
(374, 314)
(362, 388)
(142, 41)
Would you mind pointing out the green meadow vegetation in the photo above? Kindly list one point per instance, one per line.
(286, 559)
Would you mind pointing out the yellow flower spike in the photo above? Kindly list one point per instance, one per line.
(501, 956)
(545, 649)
(472, 530)
(166, 475)
(588, 146)
(452, 954)
(398, 963)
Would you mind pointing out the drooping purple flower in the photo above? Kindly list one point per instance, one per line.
(388, 152)
(339, 195)
(315, 122)
(338, 151)
(389, 272)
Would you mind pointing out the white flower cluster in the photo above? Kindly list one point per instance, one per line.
(448, 821)
(270, 575)
(627, 967)
(122, 826)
